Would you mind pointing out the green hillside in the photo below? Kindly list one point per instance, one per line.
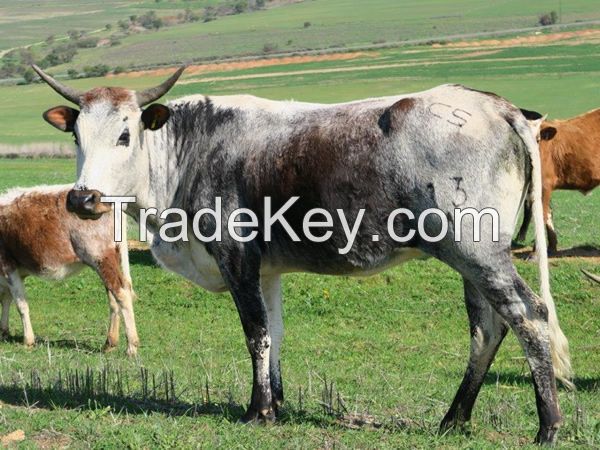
(560, 79)
(284, 26)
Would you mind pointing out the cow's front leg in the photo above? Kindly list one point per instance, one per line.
(240, 268)
(271, 288)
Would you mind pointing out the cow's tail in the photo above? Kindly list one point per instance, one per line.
(559, 346)
(124, 254)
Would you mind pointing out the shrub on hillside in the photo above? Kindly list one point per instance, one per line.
(150, 21)
(99, 70)
(74, 34)
(190, 16)
(239, 7)
(548, 19)
(209, 14)
(60, 55)
(269, 48)
(89, 42)
(29, 75)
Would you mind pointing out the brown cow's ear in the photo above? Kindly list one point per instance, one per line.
(547, 133)
(62, 117)
(155, 116)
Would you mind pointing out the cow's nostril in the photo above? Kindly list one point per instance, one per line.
(89, 200)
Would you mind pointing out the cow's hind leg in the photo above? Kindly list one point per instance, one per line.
(112, 337)
(109, 269)
(550, 231)
(487, 332)
(527, 315)
(271, 287)
(6, 301)
(17, 291)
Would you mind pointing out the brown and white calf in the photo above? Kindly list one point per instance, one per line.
(39, 237)
(570, 154)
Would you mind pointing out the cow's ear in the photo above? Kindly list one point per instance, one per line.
(62, 117)
(155, 116)
(547, 133)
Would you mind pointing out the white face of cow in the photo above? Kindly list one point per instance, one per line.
(109, 155)
(109, 130)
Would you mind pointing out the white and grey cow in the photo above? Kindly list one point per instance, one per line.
(449, 147)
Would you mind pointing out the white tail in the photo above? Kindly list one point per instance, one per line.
(559, 346)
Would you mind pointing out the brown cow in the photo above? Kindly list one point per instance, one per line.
(39, 237)
(570, 160)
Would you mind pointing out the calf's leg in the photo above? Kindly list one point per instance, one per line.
(112, 338)
(487, 332)
(17, 291)
(109, 270)
(6, 301)
(552, 238)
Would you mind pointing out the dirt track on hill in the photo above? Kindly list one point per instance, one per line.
(251, 64)
(524, 40)
(575, 37)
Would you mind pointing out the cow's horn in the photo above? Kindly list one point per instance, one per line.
(71, 94)
(151, 94)
(591, 276)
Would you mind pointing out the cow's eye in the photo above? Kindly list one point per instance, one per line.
(124, 139)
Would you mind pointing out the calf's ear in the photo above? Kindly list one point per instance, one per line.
(155, 116)
(547, 133)
(61, 117)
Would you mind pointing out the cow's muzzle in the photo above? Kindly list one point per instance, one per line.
(86, 204)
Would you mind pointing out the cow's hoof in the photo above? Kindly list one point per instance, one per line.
(547, 436)
(277, 406)
(131, 351)
(29, 344)
(263, 417)
(108, 346)
(453, 426)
